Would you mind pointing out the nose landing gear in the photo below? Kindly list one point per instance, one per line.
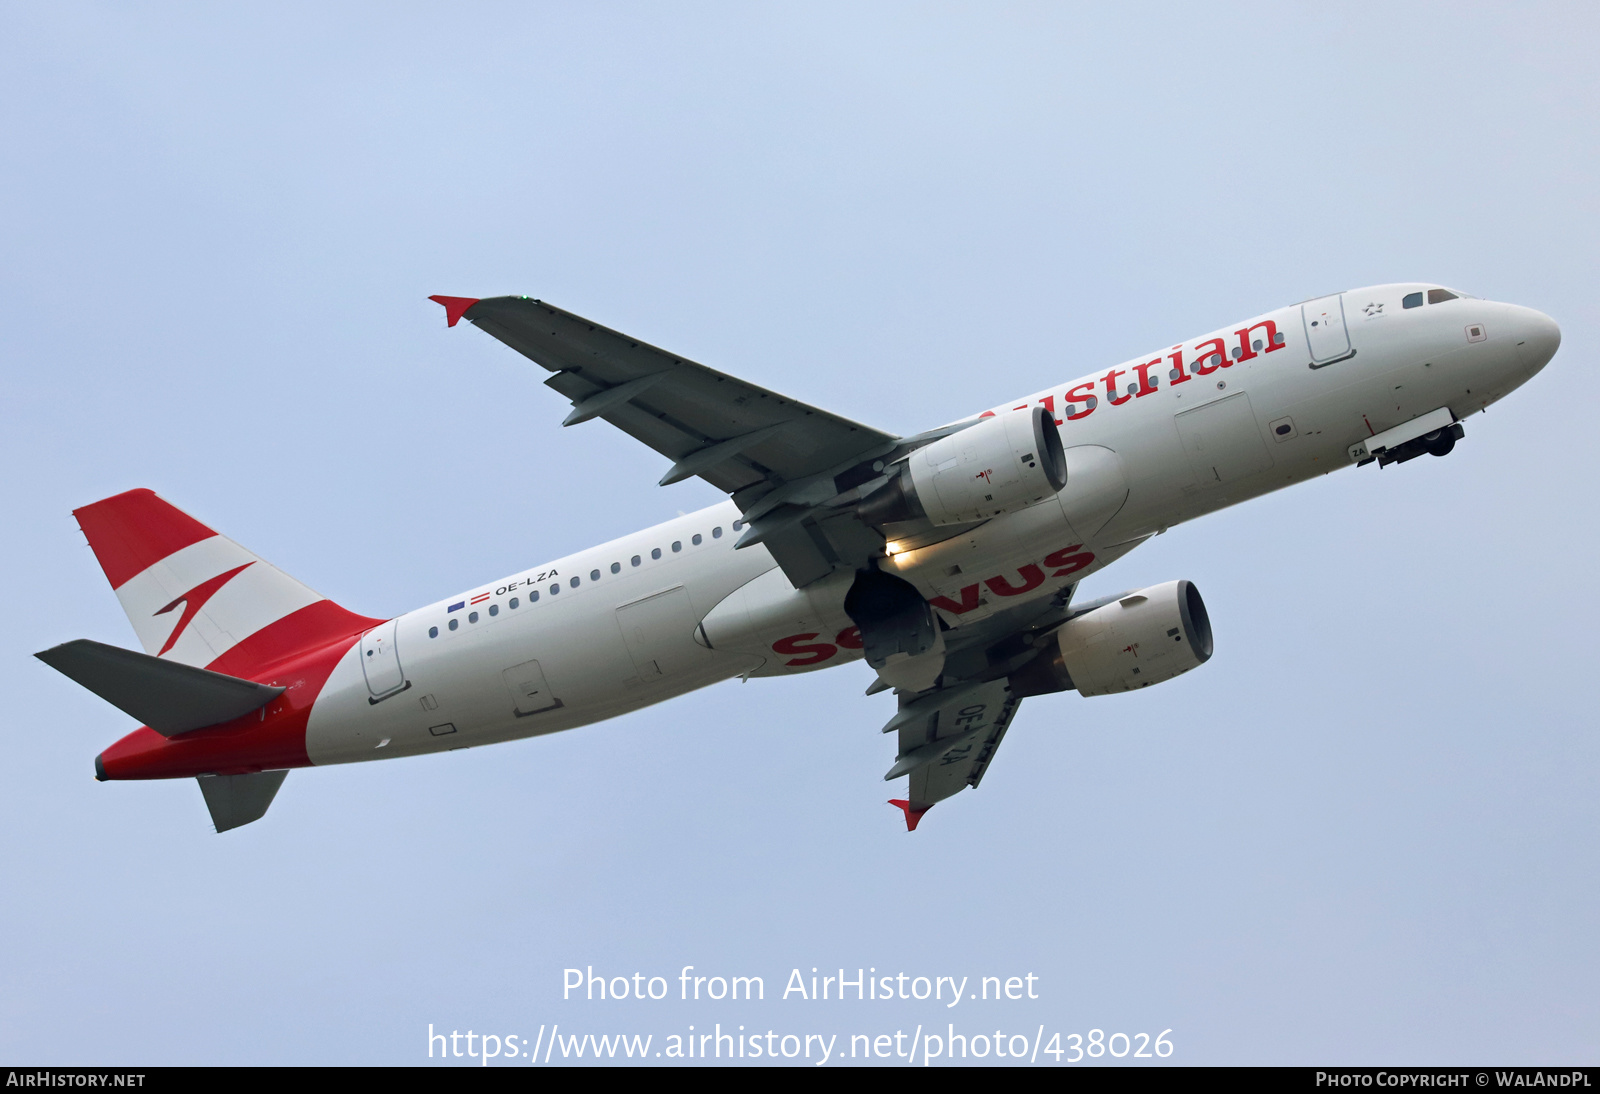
(1440, 442)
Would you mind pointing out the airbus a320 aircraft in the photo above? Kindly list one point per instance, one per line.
(947, 560)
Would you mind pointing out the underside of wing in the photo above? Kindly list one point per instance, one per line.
(739, 437)
(812, 488)
(783, 462)
(947, 737)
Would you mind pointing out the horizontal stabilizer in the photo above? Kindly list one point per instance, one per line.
(239, 799)
(168, 696)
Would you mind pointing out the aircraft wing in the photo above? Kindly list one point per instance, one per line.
(947, 738)
(771, 453)
(783, 462)
(739, 437)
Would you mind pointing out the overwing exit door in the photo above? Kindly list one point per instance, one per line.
(529, 689)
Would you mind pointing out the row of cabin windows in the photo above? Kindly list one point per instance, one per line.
(1435, 296)
(594, 575)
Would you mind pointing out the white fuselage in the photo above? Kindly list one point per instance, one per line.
(1168, 436)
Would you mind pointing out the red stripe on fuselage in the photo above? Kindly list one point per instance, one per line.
(297, 653)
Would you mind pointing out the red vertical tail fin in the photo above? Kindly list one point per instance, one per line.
(198, 597)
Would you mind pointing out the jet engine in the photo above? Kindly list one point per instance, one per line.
(1139, 639)
(1005, 462)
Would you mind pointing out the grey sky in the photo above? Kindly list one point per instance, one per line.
(1363, 833)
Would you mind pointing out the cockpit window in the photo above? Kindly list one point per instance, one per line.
(1439, 296)
(1412, 300)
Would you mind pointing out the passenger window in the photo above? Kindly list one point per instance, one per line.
(677, 545)
(1277, 339)
(655, 552)
(513, 603)
(472, 617)
(454, 623)
(1439, 296)
(494, 609)
(1412, 300)
(696, 540)
(594, 575)
(433, 632)
(634, 561)
(616, 567)
(533, 594)
(716, 533)
(573, 582)
(556, 588)
(738, 524)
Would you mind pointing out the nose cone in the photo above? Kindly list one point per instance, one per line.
(1539, 337)
(1536, 336)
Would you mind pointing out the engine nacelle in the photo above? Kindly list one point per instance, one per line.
(1002, 463)
(1138, 640)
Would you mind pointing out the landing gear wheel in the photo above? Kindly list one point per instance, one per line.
(1441, 444)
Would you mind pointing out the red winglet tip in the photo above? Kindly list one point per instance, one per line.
(454, 307)
(913, 815)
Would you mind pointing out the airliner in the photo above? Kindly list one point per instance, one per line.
(948, 560)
